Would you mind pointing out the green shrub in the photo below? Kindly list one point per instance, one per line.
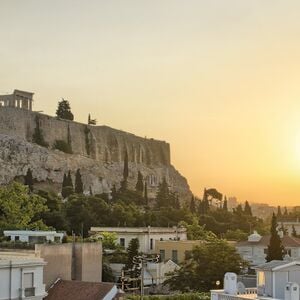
(185, 296)
(63, 146)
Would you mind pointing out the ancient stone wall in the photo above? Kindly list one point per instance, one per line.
(101, 143)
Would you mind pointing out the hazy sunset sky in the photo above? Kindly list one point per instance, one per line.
(218, 79)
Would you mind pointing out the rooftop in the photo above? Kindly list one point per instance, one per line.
(287, 241)
(138, 229)
(79, 290)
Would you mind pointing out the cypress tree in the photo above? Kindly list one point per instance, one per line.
(78, 183)
(114, 193)
(139, 187)
(146, 193)
(279, 213)
(126, 170)
(294, 232)
(285, 212)
(69, 180)
(275, 247)
(64, 184)
(163, 194)
(193, 205)
(247, 209)
(29, 180)
(225, 204)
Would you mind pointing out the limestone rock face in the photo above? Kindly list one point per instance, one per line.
(48, 167)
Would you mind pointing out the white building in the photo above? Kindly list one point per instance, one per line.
(146, 235)
(289, 225)
(21, 277)
(34, 237)
(275, 280)
(254, 250)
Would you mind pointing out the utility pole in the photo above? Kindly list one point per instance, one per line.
(139, 262)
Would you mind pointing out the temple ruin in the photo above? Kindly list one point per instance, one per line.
(19, 99)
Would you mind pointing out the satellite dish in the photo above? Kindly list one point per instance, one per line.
(241, 289)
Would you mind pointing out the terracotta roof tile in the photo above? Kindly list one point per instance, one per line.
(78, 290)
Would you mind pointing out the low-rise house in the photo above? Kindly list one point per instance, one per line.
(34, 237)
(275, 280)
(147, 236)
(21, 277)
(82, 290)
(289, 226)
(174, 250)
(254, 250)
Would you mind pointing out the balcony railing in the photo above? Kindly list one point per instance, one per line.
(249, 293)
(29, 292)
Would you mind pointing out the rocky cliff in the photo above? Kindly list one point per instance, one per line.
(98, 151)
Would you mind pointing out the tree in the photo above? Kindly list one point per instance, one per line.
(78, 183)
(126, 169)
(206, 264)
(279, 213)
(64, 184)
(37, 136)
(163, 194)
(132, 251)
(29, 180)
(198, 232)
(275, 248)
(247, 209)
(193, 205)
(69, 180)
(285, 212)
(139, 187)
(146, 193)
(294, 232)
(64, 110)
(67, 186)
(225, 204)
(19, 209)
(109, 240)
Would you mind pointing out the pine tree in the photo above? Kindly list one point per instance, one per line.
(193, 205)
(29, 180)
(64, 110)
(132, 251)
(78, 183)
(275, 247)
(140, 183)
(294, 232)
(225, 204)
(247, 209)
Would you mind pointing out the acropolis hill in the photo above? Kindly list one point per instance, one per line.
(98, 151)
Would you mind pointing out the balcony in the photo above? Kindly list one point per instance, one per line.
(29, 292)
(249, 293)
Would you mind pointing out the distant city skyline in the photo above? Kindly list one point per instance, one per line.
(218, 80)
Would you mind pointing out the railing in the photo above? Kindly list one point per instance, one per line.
(29, 292)
(249, 293)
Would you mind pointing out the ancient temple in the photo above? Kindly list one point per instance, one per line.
(19, 99)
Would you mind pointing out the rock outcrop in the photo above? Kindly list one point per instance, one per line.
(98, 153)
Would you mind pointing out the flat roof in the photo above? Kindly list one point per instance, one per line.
(31, 232)
(139, 229)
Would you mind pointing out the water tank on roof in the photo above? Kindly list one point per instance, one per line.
(254, 237)
(291, 291)
(230, 283)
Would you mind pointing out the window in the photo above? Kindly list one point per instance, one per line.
(162, 255)
(261, 278)
(151, 244)
(175, 256)
(17, 238)
(28, 284)
(122, 242)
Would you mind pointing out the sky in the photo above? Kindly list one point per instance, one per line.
(218, 80)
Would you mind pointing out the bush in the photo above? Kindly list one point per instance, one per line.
(63, 146)
(185, 296)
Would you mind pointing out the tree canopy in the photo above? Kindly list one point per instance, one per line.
(205, 265)
(64, 110)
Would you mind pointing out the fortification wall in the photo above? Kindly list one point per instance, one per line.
(101, 143)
